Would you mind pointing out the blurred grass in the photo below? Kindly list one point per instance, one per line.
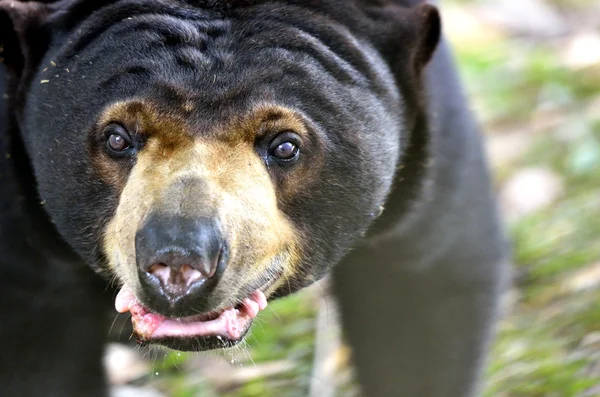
(549, 343)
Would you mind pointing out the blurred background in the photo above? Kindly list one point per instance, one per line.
(532, 70)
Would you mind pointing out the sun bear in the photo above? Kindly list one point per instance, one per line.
(186, 162)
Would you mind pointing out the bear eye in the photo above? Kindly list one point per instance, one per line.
(117, 139)
(285, 147)
(117, 143)
(285, 151)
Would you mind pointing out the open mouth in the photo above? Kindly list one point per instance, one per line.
(204, 331)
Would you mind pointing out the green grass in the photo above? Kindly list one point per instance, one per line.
(539, 349)
(536, 353)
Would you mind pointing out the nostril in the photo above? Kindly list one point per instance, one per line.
(190, 275)
(161, 272)
(178, 277)
(158, 269)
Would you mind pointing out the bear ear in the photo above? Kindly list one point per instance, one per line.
(429, 30)
(23, 41)
(406, 37)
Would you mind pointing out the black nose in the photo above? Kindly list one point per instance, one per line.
(179, 257)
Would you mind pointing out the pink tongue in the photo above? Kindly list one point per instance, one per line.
(230, 324)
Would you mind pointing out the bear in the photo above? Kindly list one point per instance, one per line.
(186, 162)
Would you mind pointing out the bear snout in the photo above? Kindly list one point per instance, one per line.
(179, 258)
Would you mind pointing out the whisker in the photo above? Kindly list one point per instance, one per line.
(123, 326)
(112, 325)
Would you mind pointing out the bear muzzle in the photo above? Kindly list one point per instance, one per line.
(179, 258)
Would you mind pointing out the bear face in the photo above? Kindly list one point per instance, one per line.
(210, 158)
